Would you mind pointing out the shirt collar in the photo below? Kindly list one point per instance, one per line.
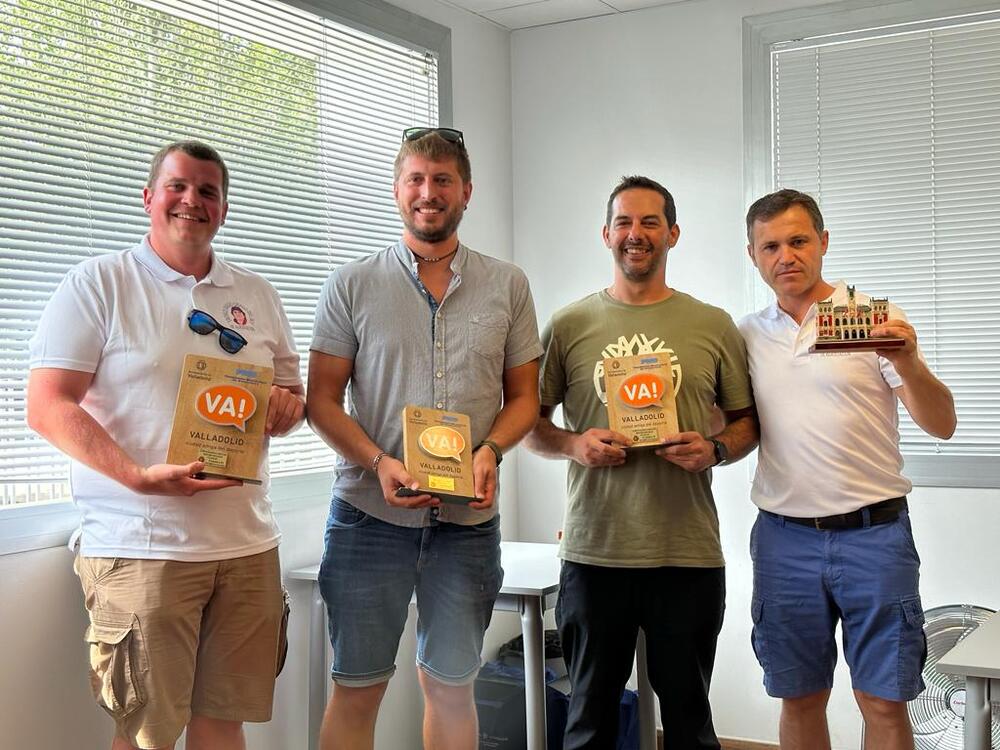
(219, 274)
(773, 311)
(408, 259)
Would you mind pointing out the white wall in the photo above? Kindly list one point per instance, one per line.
(659, 92)
(45, 701)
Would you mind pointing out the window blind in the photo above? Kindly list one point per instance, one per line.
(308, 113)
(896, 132)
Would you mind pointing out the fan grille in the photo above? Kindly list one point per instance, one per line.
(937, 713)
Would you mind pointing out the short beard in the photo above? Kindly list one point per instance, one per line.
(633, 275)
(437, 235)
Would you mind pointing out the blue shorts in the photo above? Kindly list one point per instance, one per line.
(805, 580)
(369, 572)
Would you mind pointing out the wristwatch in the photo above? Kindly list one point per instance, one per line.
(721, 451)
(493, 447)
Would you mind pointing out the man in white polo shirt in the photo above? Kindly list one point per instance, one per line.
(187, 612)
(832, 540)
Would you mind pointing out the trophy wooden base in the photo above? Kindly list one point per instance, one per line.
(450, 499)
(856, 345)
(211, 475)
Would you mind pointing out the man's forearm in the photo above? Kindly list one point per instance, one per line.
(332, 423)
(514, 421)
(928, 401)
(71, 429)
(550, 441)
(740, 436)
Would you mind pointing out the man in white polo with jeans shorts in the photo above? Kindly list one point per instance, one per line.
(832, 540)
(180, 574)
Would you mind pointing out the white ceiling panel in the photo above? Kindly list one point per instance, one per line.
(546, 11)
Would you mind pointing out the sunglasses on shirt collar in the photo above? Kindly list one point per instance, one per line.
(202, 323)
(449, 134)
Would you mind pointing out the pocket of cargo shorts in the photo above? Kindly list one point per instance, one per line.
(283, 631)
(117, 662)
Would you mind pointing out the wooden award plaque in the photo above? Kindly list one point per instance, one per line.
(640, 393)
(437, 453)
(220, 416)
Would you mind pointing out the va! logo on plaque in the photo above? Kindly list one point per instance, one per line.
(442, 442)
(226, 405)
(641, 390)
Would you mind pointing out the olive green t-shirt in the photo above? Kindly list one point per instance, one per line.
(647, 512)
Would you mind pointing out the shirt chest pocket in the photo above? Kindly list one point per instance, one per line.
(487, 335)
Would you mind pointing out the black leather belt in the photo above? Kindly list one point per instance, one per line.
(881, 512)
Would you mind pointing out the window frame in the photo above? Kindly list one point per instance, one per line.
(760, 32)
(46, 525)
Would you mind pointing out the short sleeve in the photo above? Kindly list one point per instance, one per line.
(73, 330)
(333, 331)
(734, 390)
(522, 341)
(553, 369)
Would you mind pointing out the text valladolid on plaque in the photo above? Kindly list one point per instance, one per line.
(640, 392)
(437, 453)
(220, 416)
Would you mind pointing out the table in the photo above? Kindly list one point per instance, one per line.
(977, 659)
(530, 585)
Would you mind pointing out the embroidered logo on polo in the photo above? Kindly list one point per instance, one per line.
(639, 343)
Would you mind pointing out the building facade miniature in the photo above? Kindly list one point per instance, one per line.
(850, 322)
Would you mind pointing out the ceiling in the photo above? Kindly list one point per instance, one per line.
(521, 14)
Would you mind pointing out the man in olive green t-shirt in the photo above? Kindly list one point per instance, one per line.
(641, 543)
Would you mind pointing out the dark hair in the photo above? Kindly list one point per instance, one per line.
(766, 208)
(432, 146)
(632, 182)
(194, 149)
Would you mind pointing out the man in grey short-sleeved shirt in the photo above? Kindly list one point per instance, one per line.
(427, 322)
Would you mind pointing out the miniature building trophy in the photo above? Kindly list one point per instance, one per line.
(848, 328)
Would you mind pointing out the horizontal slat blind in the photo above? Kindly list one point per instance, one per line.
(898, 137)
(306, 111)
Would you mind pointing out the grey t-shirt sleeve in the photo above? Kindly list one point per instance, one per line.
(334, 332)
(734, 390)
(522, 341)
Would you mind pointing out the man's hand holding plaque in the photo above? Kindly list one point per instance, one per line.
(220, 418)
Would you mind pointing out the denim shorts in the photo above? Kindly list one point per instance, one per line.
(369, 573)
(805, 580)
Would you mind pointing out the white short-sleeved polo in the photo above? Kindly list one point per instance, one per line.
(829, 422)
(123, 317)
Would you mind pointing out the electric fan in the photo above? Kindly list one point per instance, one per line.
(938, 713)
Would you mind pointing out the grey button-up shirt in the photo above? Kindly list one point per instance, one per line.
(374, 311)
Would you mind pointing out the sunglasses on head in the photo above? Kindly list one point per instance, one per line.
(202, 323)
(449, 134)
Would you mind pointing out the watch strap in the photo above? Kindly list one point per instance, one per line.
(493, 447)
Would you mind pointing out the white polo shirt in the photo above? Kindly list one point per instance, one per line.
(829, 423)
(123, 317)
